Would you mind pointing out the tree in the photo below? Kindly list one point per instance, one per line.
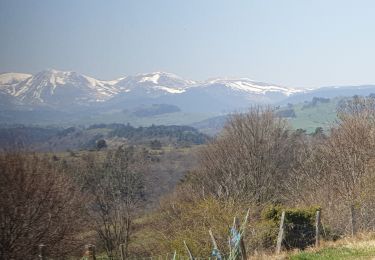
(38, 205)
(100, 144)
(249, 160)
(117, 188)
(337, 171)
(319, 132)
(349, 152)
(155, 144)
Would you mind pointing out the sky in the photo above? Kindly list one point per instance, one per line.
(296, 43)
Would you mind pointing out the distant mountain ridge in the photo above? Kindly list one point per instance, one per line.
(61, 88)
(53, 96)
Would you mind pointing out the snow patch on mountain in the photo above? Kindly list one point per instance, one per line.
(9, 81)
(13, 78)
(250, 86)
(71, 86)
(170, 90)
(155, 83)
(153, 78)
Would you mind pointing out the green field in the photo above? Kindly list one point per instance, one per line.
(323, 115)
(361, 250)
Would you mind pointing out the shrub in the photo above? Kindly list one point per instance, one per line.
(39, 205)
(100, 144)
(299, 225)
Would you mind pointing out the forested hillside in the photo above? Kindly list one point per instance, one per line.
(78, 138)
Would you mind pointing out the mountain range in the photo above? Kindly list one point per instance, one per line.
(61, 90)
(71, 93)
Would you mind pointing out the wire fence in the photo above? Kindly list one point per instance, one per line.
(258, 239)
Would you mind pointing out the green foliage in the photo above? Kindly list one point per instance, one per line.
(292, 215)
(299, 225)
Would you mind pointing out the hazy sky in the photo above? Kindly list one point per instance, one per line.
(300, 43)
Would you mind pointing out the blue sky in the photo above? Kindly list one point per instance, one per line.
(299, 43)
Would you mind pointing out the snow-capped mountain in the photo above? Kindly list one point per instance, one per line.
(54, 96)
(63, 90)
(9, 81)
(155, 83)
(246, 85)
(54, 87)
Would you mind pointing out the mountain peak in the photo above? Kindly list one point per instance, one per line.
(155, 83)
(251, 86)
(161, 77)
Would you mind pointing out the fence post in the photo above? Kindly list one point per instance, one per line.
(317, 228)
(90, 251)
(353, 220)
(281, 234)
(42, 252)
(122, 251)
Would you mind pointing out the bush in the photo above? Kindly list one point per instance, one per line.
(299, 225)
(155, 144)
(189, 219)
(100, 144)
(39, 205)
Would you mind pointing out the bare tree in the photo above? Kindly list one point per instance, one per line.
(117, 188)
(38, 205)
(249, 160)
(349, 151)
(337, 171)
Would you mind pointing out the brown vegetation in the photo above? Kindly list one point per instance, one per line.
(250, 159)
(257, 161)
(39, 205)
(117, 188)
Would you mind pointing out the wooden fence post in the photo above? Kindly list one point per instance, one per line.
(42, 252)
(353, 220)
(317, 228)
(122, 251)
(90, 250)
(281, 234)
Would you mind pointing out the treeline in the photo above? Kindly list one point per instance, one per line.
(76, 138)
(181, 134)
(18, 137)
(156, 109)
